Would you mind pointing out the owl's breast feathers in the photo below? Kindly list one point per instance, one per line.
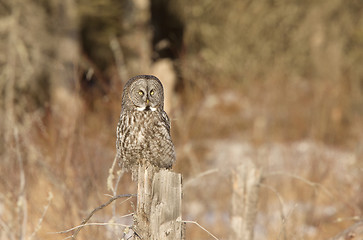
(145, 136)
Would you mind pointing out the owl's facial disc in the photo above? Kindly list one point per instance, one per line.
(146, 95)
(145, 102)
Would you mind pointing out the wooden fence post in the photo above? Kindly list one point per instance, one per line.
(246, 180)
(158, 213)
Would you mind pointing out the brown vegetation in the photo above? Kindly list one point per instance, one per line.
(276, 82)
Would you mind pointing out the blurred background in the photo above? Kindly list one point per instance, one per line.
(277, 82)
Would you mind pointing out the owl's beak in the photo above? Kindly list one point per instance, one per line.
(147, 108)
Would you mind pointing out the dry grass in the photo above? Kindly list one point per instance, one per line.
(277, 82)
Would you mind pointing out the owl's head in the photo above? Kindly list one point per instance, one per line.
(143, 93)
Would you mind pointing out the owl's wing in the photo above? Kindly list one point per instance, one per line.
(119, 138)
(165, 119)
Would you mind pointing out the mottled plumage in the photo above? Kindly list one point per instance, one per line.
(143, 131)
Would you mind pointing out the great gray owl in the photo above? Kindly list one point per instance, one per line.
(143, 131)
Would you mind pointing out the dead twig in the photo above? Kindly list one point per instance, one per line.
(93, 224)
(110, 185)
(22, 202)
(201, 175)
(50, 197)
(283, 226)
(282, 204)
(310, 183)
(8, 231)
(93, 212)
(354, 218)
(196, 223)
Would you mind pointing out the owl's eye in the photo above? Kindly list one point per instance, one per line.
(152, 92)
(141, 93)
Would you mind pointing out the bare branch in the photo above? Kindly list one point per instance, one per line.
(194, 222)
(22, 202)
(285, 221)
(200, 175)
(50, 197)
(111, 176)
(7, 229)
(354, 218)
(313, 184)
(94, 211)
(92, 224)
(281, 201)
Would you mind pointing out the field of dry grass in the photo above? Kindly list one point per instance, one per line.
(279, 83)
